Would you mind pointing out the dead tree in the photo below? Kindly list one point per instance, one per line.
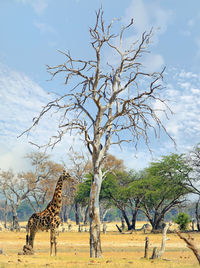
(106, 104)
(158, 253)
(154, 253)
(190, 245)
(146, 247)
(164, 239)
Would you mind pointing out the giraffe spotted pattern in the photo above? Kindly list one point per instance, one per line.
(49, 218)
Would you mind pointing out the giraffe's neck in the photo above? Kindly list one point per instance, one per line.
(55, 204)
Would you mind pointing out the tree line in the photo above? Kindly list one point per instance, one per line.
(154, 192)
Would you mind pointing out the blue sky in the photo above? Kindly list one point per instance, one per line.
(32, 31)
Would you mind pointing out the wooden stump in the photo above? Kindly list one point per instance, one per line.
(155, 253)
(146, 247)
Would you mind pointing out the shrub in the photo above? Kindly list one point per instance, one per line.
(182, 220)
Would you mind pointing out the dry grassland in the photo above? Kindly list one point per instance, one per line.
(119, 250)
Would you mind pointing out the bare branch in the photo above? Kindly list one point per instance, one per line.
(109, 104)
(190, 245)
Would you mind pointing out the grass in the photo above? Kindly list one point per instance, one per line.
(119, 250)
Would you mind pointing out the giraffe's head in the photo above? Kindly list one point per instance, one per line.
(65, 175)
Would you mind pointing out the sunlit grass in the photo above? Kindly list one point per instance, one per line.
(119, 250)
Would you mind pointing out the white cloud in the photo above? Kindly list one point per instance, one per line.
(184, 93)
(186, 33)
(147, 15)
(185, 85)
(191, 22)
(187, 75)
(21, 100)
(44, 28)
(153, 62)
(39, 6)
(14, 158)
(195, 91)
(132, 159)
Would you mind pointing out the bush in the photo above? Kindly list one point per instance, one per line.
(182, 220)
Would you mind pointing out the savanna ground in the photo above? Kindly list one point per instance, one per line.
(119, 250)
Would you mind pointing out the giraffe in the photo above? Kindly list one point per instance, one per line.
(49, 218)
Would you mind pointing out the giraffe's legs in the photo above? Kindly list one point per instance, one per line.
(52, 234)
(31, 238)
(53, 241)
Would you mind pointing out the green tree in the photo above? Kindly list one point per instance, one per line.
(112, 165)
(164, 185)
(182, 220)
(83, 191)
(116, 190)
(194, 160)
(121, 192)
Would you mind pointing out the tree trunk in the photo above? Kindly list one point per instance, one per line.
(157, 222)
(86, 215)
(126, 219)
(6, 213)
(197, 215)
(146, 248)
(66, 213)
(15, 222)
(164, 239)
(104, 213)
(15, 219)
(62, 214)
(77, 218)
(122, 221)
(134, 219)
(95, 241)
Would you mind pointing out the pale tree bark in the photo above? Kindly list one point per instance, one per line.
(103, 211)
(158, 253)
(94, 213)
(164, 239)
(106, 104)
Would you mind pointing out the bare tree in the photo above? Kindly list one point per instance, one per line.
(34, 186)
(193, 158)
(80, 165)
(106, 104)
(15, 189)
(41, 179)
(156, 254)
(4, 209)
